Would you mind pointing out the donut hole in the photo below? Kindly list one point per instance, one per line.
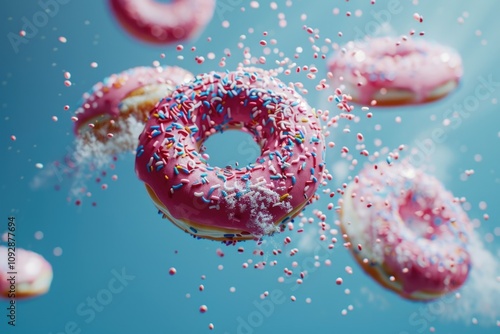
(417, 213)
(232, 148)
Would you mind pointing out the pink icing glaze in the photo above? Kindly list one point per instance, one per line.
(34, 274)
(163, 23)
(412, 71)
(105, 97)
(231, 204)
(409, 227)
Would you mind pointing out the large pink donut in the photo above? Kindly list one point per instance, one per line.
(222, 203)
(163, 23)
(33, 274)
(395, 72)
(411, 233)
(131, 93)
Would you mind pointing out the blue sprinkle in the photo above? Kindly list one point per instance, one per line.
(211, 190)
(177, 186)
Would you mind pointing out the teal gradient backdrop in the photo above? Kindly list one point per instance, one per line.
(120, 250)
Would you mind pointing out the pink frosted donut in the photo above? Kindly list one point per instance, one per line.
(163, 23)
(394, 72)
(33, 274)
(223, 203)
(133, 92)
(412, 235)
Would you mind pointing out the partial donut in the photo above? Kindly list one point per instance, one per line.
(33, 274)
(163, 23)
(131, 93)
(395, 72)
(407, 231)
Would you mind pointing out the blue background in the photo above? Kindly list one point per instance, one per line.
(123, 231)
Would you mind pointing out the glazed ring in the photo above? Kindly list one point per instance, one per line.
(407, 231)
(223, 203)
(394, 72)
